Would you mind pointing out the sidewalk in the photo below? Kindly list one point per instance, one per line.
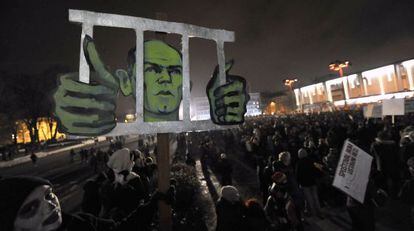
(42, 154)
(209, 192)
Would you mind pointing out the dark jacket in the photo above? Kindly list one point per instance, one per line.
(306, 172)
(230, 216)
(407, 192)
(387, 156)
(256, 220)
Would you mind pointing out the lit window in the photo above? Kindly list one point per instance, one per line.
(389, 77)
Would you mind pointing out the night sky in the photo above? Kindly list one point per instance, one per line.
(275, 39)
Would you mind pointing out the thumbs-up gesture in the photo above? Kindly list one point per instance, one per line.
(227, 102)
(88, 109)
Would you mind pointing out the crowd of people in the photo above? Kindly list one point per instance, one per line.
(295, 158)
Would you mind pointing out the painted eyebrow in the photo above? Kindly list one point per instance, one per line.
(149, 63)
(174, 66)
(170, 67)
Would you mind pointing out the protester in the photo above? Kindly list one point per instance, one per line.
(256, 219)
(385, 151)
(190, 160)
(307, 175)
(281, 210)
(72, 155)
(224, 168)
(124, 190)
(230, 210)
(34, 158)
(407, 191)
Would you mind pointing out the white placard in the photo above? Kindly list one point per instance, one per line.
(353, 170)
(393, 107)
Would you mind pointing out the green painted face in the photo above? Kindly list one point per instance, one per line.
(162, 78)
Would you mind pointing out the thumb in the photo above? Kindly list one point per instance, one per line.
(95, 63)
(125, 83)
(227, 67)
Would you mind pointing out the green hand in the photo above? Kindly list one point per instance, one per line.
(88, 109)
(227, 102)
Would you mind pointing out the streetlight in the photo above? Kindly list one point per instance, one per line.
(289, 83)
(338, 66)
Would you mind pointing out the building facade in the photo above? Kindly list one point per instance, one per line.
(391, 81)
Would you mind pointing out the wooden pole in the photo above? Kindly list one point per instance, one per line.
(163, 162)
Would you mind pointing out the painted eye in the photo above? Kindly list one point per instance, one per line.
(29, 209)
(175, 71)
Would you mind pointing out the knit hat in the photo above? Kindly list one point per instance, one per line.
(279, 177)
(13, 192)
(284, 155)
(302, 153)
(230, 193)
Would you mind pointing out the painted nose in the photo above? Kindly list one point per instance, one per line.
(164, 77)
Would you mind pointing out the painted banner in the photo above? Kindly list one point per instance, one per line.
(352, 172)
(393, 107)
(157, 77)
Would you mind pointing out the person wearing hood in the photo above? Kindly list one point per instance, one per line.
(123, 189)
(230, 210)
(385, 152)
(29, 204)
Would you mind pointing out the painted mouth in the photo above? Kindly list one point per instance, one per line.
(165, 93)
(52, 218)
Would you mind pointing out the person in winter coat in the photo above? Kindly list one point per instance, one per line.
(225, 168)
(385, 152)
(230, 210)
(284, 165)
(407, 191)
(281, 210)
(307, 174)
(256, 219)
(124, 189)
(34, 158)
(28, 203)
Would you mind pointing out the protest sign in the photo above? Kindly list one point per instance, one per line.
(352, 172)
(393, 107)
